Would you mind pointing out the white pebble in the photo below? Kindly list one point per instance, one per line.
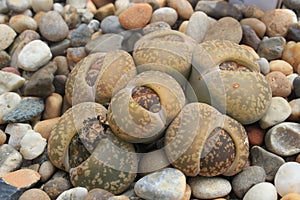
(32, 145)
(10, 82)
(58, 8)
(8, 101)
(16, 132)
(77, 3)
(78, 193)
(41, 5)
(261, 191)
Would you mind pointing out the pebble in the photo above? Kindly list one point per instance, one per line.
(7, 36)
(98, 193)
(111, 24)
(8, 101)
(165, 14)
(10, 82)
(80, 36)
(62, 65)
(156, 26)
(3, 7)
(255, 135)
(209, 187)
(219, 9)
(136, 16)
(279, 83)
(258, 26)
(10, 159)
(250, 37)
(183, 26)
(46, 170)
(261, 191)
(130, 38)
(41, 5)
(271, 48)
(44, 127)
(21, 112)
(226, 28)
(21, 23)
(168, 183)
(295, 107)
(11, 70)
(277, 21)
(292, 4)
(55, 186)
(70, 16)
(250, 176)
(287, 178)
(291, 196)
(267, 160)
(120, 6)
(278, 112)
(34, 194)
(16, 131)
(264, 65)
(94, 25)
(53, 27)
(291, 78)
(294, 32)
(53, 105)
(198, 26)
(281, 66)
(3, 137)
(4, 59)
(60, 48)
(183, 8)
(105, 43)
(32, 145)
(77, 193)
(104, 11)
(74, 55)
(291, 54)
(99, 3)
(86, 16)
(59, 83)
(34, 55)
(58, 7)
(18, 5)
(284, 139)
(77, 3)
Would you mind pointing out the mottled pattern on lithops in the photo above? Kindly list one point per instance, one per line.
(98, 76)
(243, 94)
(131, 121)
(186, 137)
(147, 98)
(167, 49)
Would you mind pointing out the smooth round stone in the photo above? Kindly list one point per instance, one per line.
(41, 5)
(8, 101)
(198, 25)
(3, 137)
(258, 26)
(279, 83)
(284, 139)
(18, 5)
(4, 59)
(111, 24)
(261, 191)
(21, 112)
(104, 11)
(120, 6)
(94, 25)
(80, 36)
(249, 37)
(7, 36)
(46, 170)
(294, 32)
(16, 132)
(287, 178)
(183, 8)
(291, 196)
(77, 3)
(10, 159)
(34, 194)
(250, 176)
(58, 7)
(21, 23)
(281, 66)
(278, 111)
(53, 27)
(156, 26)
(264, 66)
(77, 193)
(295, 107)
(296, 86)
(165, 14)
(53, 106)
(271, 48)
(105, 43)
(226, 28)
(44, 127)
(32, 145)
(277, 21)
(291, 54)
(209, 187)
(10, 82)
(267, 160)
(59, 83)
(56, 186)
(98, 193)
(70, 16)
(34, 55)
(255, 135)
(168, 183)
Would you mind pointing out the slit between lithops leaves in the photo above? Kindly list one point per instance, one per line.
(233, 66)
(93, 71)
(147, 98)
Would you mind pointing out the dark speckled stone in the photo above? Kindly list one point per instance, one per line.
(26, 110)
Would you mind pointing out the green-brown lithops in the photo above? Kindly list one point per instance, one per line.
(226, 76)
(99, 159)
(201, 140)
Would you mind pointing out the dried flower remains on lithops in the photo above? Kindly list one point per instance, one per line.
(142, 110)
(226, 76)
(202, 141)
(82, 143)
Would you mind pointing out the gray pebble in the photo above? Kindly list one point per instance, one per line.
(165, 14)
(294, 32)
(296, 86)
(46, 170)
(198, 26)
(94, 25)
(250, 38)
(264, 66)
(130, 38)
(271, 48)
(10, 159)
(111, 24)
(18, 6)
(4, 59)
(80, 36)
(156, 26)
(104, 43)
(60, 48)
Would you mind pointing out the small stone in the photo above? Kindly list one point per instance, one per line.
(294, 32)
(100, 3)
(41, 5)
(8, 101)
(53, 105)
(60, 48)
(16, 132)
(291, 79)
(165, 14)
(226, 28)
(136, 16)
(296, 86)
(62, 65)
(281, 66)
(121, 197)
(295, 107)
(53, 27)
(98, 193)
(267, 160)
(258, 26)
(34, 194)
(183, 8)
(284, 139)
(188, 193)
(291, 54)
(279, 83)
(104, 11)
(250, 37)
(130, 38)
(291, 196)
(21, 23)
(250, 176)
(46, 170)
(287, 178)
(21, 112)
(255, 135)
(271, 48)
(292, 4)
(10, 82)
(56, 186)
(59, 83)
(277, 21)
(261, 191)
(4, 59)
(18, 5)
(105, 43)
(32, 145)
(11, 70)
(209, 187)
(58, 7)
(44, 127)
(183, 26)
(278, 111)
(71, 16)
(264, 66)
(77, 193)
(198, 26)
(111, 24)
(2, 137)
(219, 9)
(94, 25)
(168, 183)
(77, 3)
(156, 26)
(253, 11)
(3, 7)
(34, 55)
(10, 159)
(80, 36)
(74, 55)
(7, 36)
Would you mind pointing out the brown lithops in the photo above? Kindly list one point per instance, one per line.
(142, 110)
(203, 141)
(98, 76)
(82, 143)
(226, 76)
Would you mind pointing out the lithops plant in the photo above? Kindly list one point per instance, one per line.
(202, 141)
(226, 76)
(82, 143)
(98, 76)
(140, 112)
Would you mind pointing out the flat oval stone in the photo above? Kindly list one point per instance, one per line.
(32, 145)
(10, 159)
(34, 194)
(291, 54)
(258, 26)
(287, 178)
(77, 193)
(271, 48)
(198, 25)
(18, 5)
(284, 139)
(111, 24)
(8, 101)
(165, 14)
(280, 84)
(168, 183)
(7, 36)
(249, 37)
(281, 66)
(209, 187)
(295, 107)
(80, 36)
(261, 191)
(183, 8)
(22, 22)
(41, 5)
(10, 82)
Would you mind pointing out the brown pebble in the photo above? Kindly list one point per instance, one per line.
(7, 36)
(291, 54)
(46, 170)
(34, 194)
(38, 17)
(183, 7)
(281, 66)
(74, 55)
(258, 26)
(44, 127)
(183, 26)
(21, 23)
(291, 196)
(255, 135)
(136, 16)
(100, 3)
(2, 137)
(22, 178)
(253, 11)
(295, 107)
(62, 65)
(280, 84)
(104, 11)
(53, 105)
(98, 193)
(187, 193)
